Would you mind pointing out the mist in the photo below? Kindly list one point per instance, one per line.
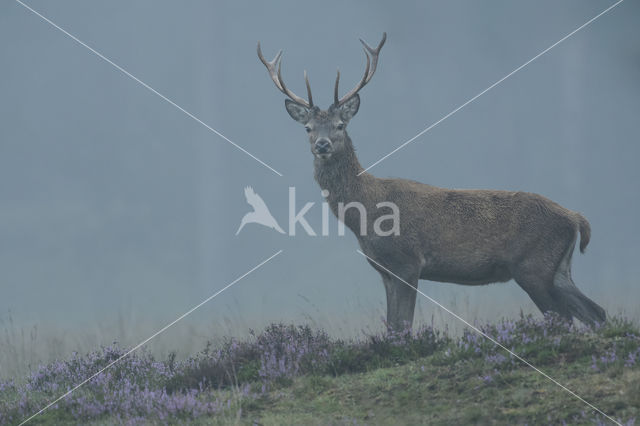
(119, 212)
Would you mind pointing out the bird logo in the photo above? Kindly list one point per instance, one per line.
(260, 213)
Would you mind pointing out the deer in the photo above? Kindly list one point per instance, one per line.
(462, 236)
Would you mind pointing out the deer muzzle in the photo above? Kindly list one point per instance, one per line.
(323, 146)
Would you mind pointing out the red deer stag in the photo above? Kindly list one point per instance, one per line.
(469, 237)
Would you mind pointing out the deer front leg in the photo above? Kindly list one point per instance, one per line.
(401, 300)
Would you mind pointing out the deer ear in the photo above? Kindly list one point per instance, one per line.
(298, 112)
(350, 108)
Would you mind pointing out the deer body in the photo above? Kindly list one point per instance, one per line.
(469, 237)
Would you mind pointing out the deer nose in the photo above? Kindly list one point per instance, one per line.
(323, 145)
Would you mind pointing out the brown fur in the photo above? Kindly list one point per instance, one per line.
(469, 237)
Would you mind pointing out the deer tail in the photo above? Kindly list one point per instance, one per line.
(585, 232)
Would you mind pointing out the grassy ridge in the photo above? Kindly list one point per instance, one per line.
(296, 375)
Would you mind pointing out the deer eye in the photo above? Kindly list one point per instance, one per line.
(340, 126)
(308, 129)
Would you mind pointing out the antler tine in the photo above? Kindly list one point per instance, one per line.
(288, 92)
(374, 53)
(360, 85)
(306, 82)
(372, 63)
(271, 66)
(276, 76)
(335, 89)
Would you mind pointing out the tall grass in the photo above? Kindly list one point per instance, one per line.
(26, 344)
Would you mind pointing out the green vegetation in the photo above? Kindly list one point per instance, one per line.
(296, 375)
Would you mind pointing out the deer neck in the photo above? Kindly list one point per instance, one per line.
(339, 176)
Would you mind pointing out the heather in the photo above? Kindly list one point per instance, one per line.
(288, 374)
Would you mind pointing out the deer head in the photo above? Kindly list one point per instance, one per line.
(326, 128)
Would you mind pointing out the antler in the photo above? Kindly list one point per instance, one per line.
(372, 63)
(276, 76)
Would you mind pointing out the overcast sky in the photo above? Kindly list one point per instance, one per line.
(115, 203)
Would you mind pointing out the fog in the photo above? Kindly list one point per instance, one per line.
(118, 211)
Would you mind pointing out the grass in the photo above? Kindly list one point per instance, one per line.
(423, 393)
(288, 374)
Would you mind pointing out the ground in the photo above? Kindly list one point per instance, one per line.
(296, 375)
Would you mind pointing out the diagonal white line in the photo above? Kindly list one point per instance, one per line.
(483, 334)
(145, 85)
(492, 86)
(139, 345)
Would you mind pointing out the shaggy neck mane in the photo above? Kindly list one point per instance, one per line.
(339, 175)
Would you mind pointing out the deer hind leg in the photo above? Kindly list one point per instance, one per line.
(536, 279)
(401, 299)
(579, 305)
